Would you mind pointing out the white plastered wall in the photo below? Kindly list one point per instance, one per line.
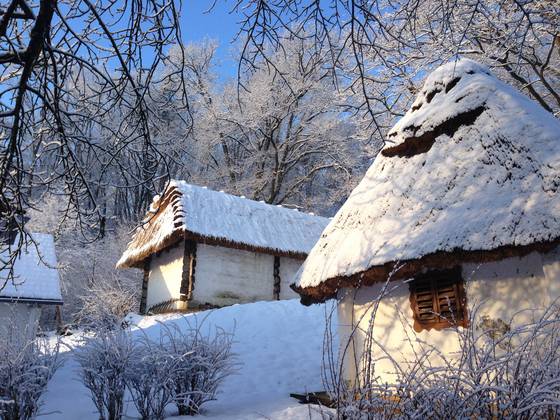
(288, 269)
(551, 268)
(224, 276)
(513, 290)
(165, 275)
(18, 320)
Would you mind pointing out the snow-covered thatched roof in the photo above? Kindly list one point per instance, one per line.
(35, 275)
(470, 173)
(188, 211)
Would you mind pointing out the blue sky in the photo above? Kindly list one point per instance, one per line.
(218, 24)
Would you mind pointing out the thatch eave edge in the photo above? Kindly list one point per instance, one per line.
(180, 234)
(399, 270)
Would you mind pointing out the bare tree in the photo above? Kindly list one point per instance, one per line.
(283, 140)
(67, 67)
(387, 44)
(93, 290)
(95, 106)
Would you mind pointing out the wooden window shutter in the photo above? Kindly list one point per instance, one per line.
(438, 300)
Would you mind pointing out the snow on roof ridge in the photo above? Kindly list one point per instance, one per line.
(474, 165)
(179, 183)
(224, 218)
(280, 207)
(439, 100)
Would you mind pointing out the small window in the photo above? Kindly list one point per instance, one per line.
(438, 300)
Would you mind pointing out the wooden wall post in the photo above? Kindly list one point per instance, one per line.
(276, 289)
(145, 278)
(189, 268)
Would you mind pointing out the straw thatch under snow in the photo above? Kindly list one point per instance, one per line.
(189, 211)
(471, 172)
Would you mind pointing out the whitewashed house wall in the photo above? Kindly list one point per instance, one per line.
(514, 290)
(165, 276)
(225, 276)
(288, 269)
(222, 276)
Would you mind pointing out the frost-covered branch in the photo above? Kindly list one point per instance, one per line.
(76, 106)
(385, 46)
(499, 369)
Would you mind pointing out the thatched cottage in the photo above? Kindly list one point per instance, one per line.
(460, 208)
(35, 283)
(204, 248)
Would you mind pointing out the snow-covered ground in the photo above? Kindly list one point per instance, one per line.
(279, 347)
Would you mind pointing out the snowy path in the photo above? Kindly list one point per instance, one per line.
(278, 343)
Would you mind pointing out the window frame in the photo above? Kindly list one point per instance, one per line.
(438, 280)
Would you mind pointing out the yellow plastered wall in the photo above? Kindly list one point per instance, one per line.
(515, 290)
(165, 275)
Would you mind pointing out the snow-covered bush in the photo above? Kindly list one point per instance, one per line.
(105, 360)
(183, 366)
(499, 371)
(26, 366)
(106, 302)
(150, 379)
(201, 363)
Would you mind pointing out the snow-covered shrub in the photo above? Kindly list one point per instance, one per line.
(499, 371)
(104, 361)
(106, 302)
(201, 363)
(149, 379)
(26, 366)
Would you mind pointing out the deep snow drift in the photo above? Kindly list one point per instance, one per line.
(279, 345)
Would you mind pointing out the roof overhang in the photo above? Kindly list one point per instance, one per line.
(181, 235)
(13, 299)
(399, 270)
